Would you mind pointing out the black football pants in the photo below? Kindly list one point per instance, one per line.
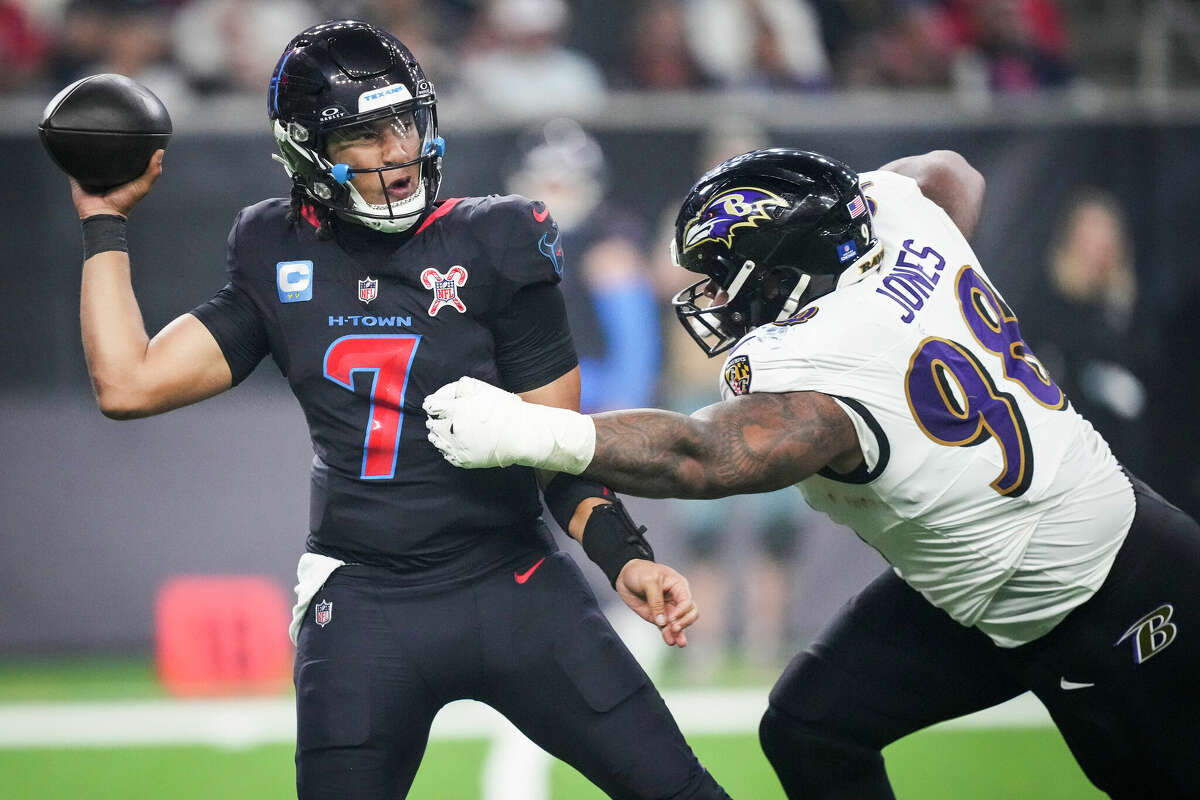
(1120, 676)
(390, 655)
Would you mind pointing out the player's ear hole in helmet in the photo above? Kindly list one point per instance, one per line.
(771, 230)
(349, 82)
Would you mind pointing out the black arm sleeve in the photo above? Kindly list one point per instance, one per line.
(533, 340)
(233, 320)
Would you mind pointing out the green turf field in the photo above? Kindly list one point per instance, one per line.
(1000, 764)
(946, 765)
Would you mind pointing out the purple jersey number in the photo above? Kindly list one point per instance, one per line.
(994, 326)
(956, 401)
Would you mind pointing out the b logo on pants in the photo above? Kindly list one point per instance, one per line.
(1154, 633)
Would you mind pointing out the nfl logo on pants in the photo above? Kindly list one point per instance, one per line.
(324, 612)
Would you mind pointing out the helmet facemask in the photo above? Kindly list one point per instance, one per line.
(329, 182)
(717, 312)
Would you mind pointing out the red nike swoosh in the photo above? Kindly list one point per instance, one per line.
(542, 216)
(521, 577)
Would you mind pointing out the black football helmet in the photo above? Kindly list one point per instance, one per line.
(771, 230)
(334, 77)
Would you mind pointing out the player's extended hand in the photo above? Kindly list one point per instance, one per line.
(475, 424)
(118, 200)
(659, 595)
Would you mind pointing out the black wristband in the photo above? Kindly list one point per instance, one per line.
(611, 539)
(103, 232)
(565, 492)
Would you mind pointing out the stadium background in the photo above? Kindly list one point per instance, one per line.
(97, 515)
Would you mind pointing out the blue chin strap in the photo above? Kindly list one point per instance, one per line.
(342, 172)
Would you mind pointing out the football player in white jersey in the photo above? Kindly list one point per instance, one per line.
(871, 362)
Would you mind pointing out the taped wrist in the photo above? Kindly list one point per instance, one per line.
(545, 437)
(565, 492)
(611, 539)
(103, 232)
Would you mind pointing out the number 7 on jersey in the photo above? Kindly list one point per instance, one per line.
(389, 358)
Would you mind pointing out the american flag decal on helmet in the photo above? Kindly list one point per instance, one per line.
(856, 207)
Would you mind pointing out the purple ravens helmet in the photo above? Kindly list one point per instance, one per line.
(771, 230)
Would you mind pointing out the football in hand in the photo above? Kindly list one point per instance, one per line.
(102, 129)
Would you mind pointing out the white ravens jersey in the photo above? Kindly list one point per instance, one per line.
(981, 485)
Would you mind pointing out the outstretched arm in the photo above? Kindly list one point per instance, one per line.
(132, 374)
(753, 443)
(946, 178)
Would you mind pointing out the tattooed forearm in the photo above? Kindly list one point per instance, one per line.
(754, 443)
(645, 452)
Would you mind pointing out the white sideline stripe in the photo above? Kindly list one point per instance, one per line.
(249, 722)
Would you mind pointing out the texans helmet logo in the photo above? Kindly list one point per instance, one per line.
(728, 211)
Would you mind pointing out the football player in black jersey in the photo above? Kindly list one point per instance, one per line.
(421, 583)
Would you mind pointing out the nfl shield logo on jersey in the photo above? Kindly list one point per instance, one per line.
(324, 612)
(368, 289)
(737, 374)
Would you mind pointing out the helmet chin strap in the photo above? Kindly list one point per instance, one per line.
(735, 285)
(793, 300)
(852, 274)
(398, 222)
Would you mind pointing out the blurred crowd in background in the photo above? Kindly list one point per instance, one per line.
(538, 63)
(531, 56)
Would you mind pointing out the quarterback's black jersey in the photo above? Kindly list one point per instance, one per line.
(364, 326)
